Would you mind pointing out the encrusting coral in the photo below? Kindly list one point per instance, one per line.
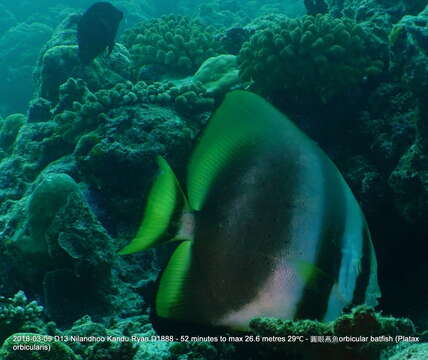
(409, 51)
(363, 331)
(80, 111)
(18, 314)
(315, 56)
(9, 128)
(218, 74)
(177, 42)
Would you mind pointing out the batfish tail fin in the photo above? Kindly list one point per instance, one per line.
(167, 215)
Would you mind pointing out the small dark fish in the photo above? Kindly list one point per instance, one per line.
(97, 30)
(233, 39)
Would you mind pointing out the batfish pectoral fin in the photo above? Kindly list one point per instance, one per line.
(312, 275)
(165, 207)
(307, 270)
(172, 302)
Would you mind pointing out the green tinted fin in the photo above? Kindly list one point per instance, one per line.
(170, 298)
(243, 120)
(311, 274)
(308, 271)
(165, 204)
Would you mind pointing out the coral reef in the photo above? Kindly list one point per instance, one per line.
(391, 190)
(375, 10)
(9, 128)
(18, 314)
(54, 247)
(409, 49)
(166, 115)
(75, 168)
(80, 111)
(189, 98)
(118, 338)
(366, 181)
(409, 180)
(48, 197)
(390, 123)
(218, 74)
(233, 38)
(344, 338)
(58, 174)
(58, 60)
(314, 7)
(176, 42)
(387, 128)
(314, 57)
(84, 339)
(410, 352)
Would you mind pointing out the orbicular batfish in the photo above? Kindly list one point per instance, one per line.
(268, 227)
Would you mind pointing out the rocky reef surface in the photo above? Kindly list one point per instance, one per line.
(75, 166)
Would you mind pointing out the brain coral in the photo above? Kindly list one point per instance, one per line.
(317, 56)
(179, 43)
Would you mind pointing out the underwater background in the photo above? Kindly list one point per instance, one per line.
(78, 147)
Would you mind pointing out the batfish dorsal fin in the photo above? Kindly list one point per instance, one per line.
(243, 120)
(166, 200)
(170, 297)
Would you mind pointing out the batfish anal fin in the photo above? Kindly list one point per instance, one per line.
(165, 206)
(171, 299)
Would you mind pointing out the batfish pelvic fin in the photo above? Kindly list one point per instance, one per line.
(167, 216)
